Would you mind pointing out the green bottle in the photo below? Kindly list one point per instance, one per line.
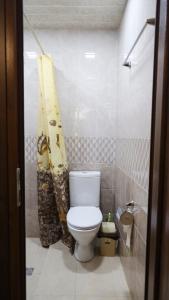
(109, 217)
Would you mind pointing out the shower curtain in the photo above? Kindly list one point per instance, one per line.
(52, 168)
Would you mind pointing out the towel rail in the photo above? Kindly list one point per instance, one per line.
(151, 22)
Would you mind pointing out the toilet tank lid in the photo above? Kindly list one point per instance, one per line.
(84, 174)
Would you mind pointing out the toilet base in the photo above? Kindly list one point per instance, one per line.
(84, 253)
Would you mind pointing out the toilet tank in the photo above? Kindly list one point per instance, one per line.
(84, 188)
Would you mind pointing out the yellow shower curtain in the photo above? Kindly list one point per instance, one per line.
(52, 168)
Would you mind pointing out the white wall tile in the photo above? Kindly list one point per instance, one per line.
(135, 84)
(135, 87)
(86, 77)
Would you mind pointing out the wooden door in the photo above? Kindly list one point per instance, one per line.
(12, 232)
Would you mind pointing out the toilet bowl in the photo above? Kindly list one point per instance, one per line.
(83, 224)
(84, 216)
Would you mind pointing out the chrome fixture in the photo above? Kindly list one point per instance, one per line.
(151, 22)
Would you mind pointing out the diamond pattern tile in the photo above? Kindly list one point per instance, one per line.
(90, 150)
(133, 156)
(79, 149)
(30, 148)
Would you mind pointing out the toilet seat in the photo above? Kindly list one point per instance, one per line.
(84, 217)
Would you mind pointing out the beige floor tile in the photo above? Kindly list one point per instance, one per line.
(48, 297)
(58, 274)
(35, 254)
(101, 298)
(103, 276)
(31, 285)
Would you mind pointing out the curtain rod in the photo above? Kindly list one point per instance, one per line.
(148, 22)
(34, 34)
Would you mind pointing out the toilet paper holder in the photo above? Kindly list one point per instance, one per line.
(125, 220)
(125, 214)
(131, 207)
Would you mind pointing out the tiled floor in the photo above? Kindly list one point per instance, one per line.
(58, 276)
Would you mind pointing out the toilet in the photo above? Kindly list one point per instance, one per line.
(84, 216)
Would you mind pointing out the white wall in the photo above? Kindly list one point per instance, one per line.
(86, 72)
(99, 99)
(134, 107)
(135, 84)
(134, 103)
(87, 89)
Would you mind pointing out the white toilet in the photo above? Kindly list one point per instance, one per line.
(84, 216)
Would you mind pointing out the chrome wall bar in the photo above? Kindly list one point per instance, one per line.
(151, 21)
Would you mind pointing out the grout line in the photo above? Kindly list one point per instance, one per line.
(75, 296)
(76, 275)
(131, 178)
(140, 235)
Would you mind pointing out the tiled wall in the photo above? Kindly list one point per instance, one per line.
(83, 154)
(106, 114)
(86, 78)
(133, 259)
(79, 150)
(133, 135)
(133, 158)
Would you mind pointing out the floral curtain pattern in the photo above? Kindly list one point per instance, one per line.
(52, 168)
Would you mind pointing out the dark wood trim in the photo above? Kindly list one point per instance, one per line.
(4, 243)
(12, 151)
(164, 234)
(158, 176)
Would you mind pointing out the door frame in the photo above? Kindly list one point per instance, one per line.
(157, 257)
(12, 217)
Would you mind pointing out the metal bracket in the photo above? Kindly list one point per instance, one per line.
(18, 187)
(150, 22)
(131, 206)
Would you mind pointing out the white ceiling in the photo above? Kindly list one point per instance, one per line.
(83, 14)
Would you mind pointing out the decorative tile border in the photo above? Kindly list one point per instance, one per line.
(79, 149)
(133, 157)
(90, 149)
(30, 149)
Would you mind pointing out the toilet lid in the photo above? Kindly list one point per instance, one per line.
(84, 217)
